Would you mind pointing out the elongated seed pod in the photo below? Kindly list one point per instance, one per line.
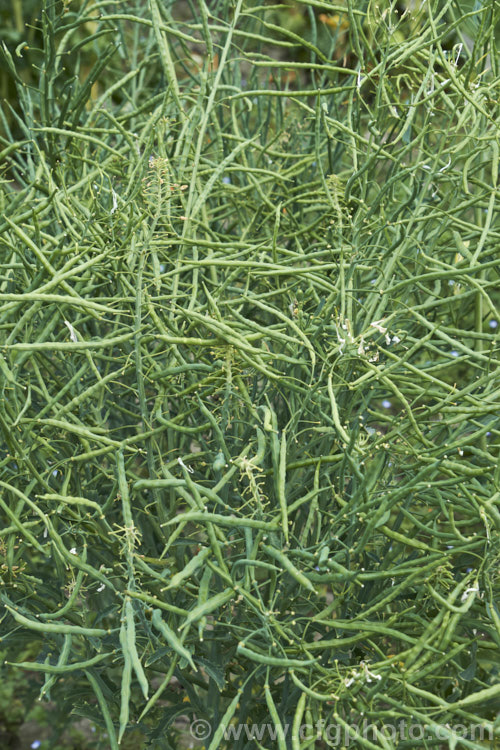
(221, 520)
(156, 602)
(53, 627)
(104, 709)
(132, 648)
(72, 501)
(224, 722)
(202, 598)
(297, 722)
(216, 601)
(61, 662)
(274, 661)
(281, 486)
(171, 638)
(310, 692)
(278, 727)
(157, 694)
(289, 567)
(125, 682)
(190, 568)
(59, 668)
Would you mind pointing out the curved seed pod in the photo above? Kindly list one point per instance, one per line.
(289, 567)
(104, 709)
(171, 638)
(274, 661)
(310, 692)
(224, 722)
(216, 601)
(52, 627)
(63, 658)
(132, 648)
(151, 702)
(190, 568)
(60, 668)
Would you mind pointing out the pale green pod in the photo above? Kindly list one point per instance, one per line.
(190, 568)
(171, 638)
(132, 648)
(203, 609)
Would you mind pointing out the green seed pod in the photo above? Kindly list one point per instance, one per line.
(219, 462)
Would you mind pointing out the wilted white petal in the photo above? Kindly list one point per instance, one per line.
(188, 468)
(115, 201)
(446, 165)
(72, 332)
(472, 590)
(377, 325)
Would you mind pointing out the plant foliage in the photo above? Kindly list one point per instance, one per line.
(248, 303)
